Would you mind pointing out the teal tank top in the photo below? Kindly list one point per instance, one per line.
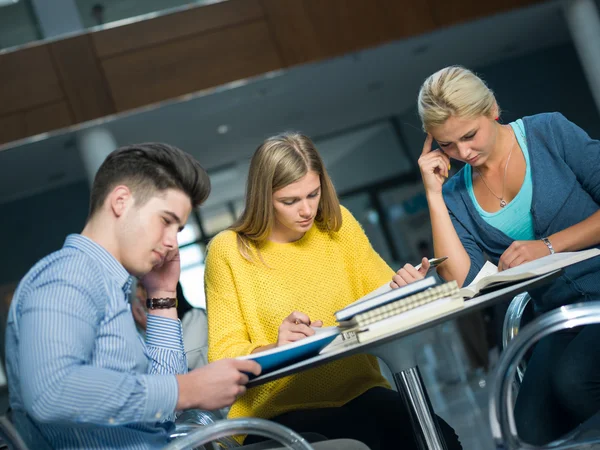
(515, 218)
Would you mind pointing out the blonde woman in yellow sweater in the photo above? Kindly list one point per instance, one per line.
(293, 258)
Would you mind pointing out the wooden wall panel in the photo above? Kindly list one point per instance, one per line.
(185, 66)
(27, 79)
(407, 18)
(49, 86)
(12, 127)
(40, 119)
(451, 12)
(293, 30)
(308, 30)
(47, 118)
(174, 26)
(347, 25)
(82, 78)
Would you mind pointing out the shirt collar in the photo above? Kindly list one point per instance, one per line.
(113, 267)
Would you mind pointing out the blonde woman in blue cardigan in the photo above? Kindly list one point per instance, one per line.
(528, 189)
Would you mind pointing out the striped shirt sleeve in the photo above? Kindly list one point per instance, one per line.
(59, 321)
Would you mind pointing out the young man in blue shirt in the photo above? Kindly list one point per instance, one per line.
(79, 375)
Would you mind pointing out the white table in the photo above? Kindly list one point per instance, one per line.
(406, 374)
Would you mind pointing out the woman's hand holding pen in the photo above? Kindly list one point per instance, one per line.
(296, 326)
(434, 166)
(409, 274)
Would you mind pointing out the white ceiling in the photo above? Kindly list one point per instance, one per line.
(317, 99)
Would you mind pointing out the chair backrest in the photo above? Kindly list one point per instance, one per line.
(501, 402)
(512, 324)
(10, 436)
(513, 317)
(195, 343)
(195, 337)
(247, 425)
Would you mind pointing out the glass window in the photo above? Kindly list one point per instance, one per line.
(238, 206)
(216, 218)
(361, 208)
(191, 255)
(364, 157)
(18, 24)
(408, 218)
(190, 233)
(192, 274)
(192, 283)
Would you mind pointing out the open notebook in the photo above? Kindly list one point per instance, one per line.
(489, 277)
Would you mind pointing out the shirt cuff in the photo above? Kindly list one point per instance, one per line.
(164, 332)
(162, 396)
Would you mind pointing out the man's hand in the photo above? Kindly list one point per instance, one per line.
(521, 252)
(409, 274)
(162, 280)
(215, 385)
(296, 326)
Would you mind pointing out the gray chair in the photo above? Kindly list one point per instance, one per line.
(9, 436)
(197, 431)
(191, 420)
(502, 392)
(207, 434)
(512, 324)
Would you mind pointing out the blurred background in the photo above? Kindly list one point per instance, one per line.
(80, 77)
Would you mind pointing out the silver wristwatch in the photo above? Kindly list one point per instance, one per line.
(546, 241)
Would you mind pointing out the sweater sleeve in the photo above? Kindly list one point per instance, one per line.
(475, 253)
(371, 269)
(228, 335)
(580, 152)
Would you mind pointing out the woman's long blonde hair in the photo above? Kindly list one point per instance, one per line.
(279, 161)
(454, 91)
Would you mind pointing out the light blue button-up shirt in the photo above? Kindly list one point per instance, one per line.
(79, 374)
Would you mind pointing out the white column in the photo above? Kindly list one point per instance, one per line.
(57, 17)
(584, 24)
(94, 146)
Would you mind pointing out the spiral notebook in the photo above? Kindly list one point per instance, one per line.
(410, 318)
(445, 290)
(381, 296)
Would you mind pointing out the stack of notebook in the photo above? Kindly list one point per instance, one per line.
(396, 310)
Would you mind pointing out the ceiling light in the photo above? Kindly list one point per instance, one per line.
(223, 129)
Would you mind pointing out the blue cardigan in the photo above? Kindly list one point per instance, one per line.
(565, 170)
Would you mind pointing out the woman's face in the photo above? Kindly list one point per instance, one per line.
(467, 140)
(296, 207)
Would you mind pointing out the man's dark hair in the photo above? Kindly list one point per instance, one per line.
(147, 169)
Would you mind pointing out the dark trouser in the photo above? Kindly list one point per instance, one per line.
(561, 387)
(377, 418)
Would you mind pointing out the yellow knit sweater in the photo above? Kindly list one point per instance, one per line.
(318, 275)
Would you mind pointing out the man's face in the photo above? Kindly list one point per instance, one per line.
(147, 233)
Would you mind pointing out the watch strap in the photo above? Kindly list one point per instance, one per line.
(546, 241)
(161, 303)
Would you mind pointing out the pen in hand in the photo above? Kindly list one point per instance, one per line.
(433, 262)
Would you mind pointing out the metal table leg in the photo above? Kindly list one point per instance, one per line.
(428, 433)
